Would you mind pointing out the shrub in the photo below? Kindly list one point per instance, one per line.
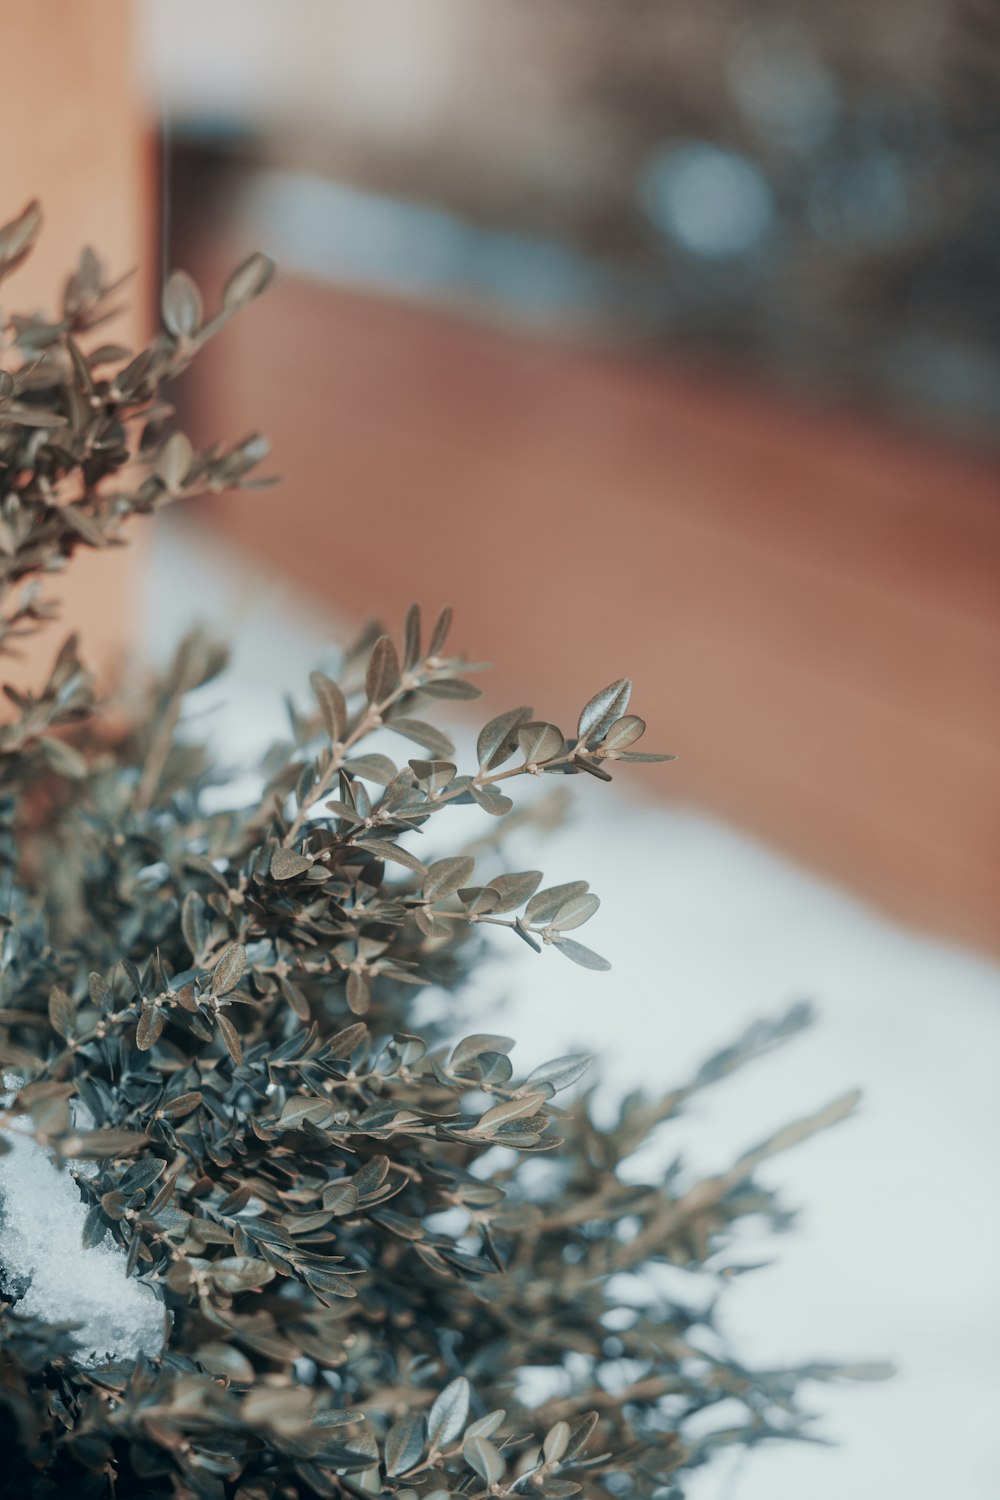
(262, 1236)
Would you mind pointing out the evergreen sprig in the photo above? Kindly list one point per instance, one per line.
(212, 1015)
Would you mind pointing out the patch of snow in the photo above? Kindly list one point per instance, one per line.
(43, 1259)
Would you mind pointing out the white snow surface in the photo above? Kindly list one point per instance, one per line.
(896, 1251)
(41, 1228)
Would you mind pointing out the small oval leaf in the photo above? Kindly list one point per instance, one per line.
(382, 677)
(445, 876)
(575, 911)
(404, 1443)
(287, 863)
(449, 1413)
(480, 1454)
(231, 1038)
(62, 1012)
(604, 709)
(248, 280)
(561, 1072)
(498, 739)
(624, 733)
(332, 704)
(147, 1032)
(181, 305)
(585, 957)
(229, 970)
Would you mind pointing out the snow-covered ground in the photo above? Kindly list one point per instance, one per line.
(897, 1248)
(41, 1230)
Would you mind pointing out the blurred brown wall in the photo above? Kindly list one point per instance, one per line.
(75, 137)
(809, 603)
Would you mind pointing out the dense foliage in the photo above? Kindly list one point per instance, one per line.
(207, 1019)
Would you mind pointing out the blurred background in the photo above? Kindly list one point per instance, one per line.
(666, 343)
(661, 339)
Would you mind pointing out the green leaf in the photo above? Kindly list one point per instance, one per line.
(173, 462)
(472, 1047)
(448, 1415)
(498, 739)
(231, 1037)
(330, 1282)
(359, 992)
(132, 974)
(114, 1205)
(493, 802)
(240, 1273)
(248, 280)
(603, 709)
(561, 1072)
(17, 238)
(495, 1068)
(382, 677)
(142, 1174)
(109, 1143)
(556, 1442)
(574, 912)
(94, 1228)
(445, 876)
(287, 863)
(579, 1433)
(299, 1109)
(183, 1104)
(383, 849)
(332, 704)
(100, 993)
(181, 305)
(509, 1109)
(411, 638)
(150, 1027)
(543, 907)
(429, 925)
(480, 1454)
(540, 742)
(641, 757)
(229, 970)
(377, 768)
(404, 1443)
(334, 1417)
(62, 1012)
(433, 775)
(488, 1425)
(454, 688)
(194, 925)
(479, 899)
(346, 1042)
(592, 767)
(341, 810)
(515, 889)
(440, 632)
(341, 1198)
(624, 733)
(525, 935)
(585, 957)
(439, 745)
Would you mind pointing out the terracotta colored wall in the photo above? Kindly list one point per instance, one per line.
(810, 604)
(75, 137)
